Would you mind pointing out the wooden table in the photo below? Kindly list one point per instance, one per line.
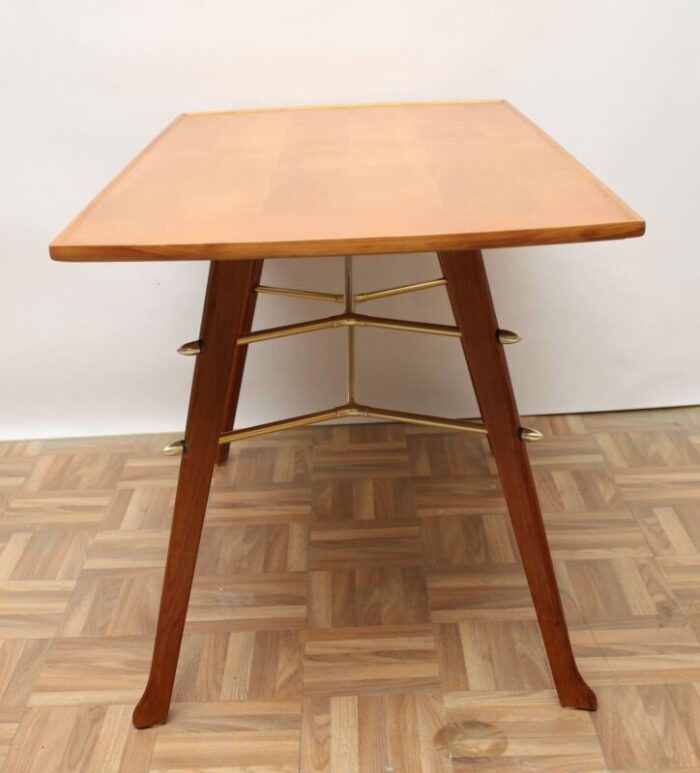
(236, 187)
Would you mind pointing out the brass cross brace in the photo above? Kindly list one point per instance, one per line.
(350, 320)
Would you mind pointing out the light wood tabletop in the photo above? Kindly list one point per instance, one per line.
(346, 179)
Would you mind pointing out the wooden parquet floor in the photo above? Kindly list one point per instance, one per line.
(359, 603)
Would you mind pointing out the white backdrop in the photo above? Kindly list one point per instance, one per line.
(90, 349)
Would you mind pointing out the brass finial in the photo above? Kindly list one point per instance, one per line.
(190, 348)
(176, 448)
(508, 337)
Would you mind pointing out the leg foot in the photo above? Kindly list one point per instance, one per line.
(229, 284)
(148, 713)
(470, 297)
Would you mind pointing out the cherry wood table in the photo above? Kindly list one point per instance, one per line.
(236, 187)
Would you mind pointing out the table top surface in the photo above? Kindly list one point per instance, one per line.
(346, 179)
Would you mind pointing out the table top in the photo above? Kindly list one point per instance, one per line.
(355, 179)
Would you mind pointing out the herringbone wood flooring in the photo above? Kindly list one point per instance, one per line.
(359, 603)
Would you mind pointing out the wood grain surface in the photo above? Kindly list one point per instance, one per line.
(366, 619)
(348, 179)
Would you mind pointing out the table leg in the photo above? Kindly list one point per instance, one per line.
(470, 297)
(238, 364)
(230, 284)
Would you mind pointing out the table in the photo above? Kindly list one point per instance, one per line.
(237, 187)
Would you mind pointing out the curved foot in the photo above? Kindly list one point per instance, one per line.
(150, 711)
(578, 695)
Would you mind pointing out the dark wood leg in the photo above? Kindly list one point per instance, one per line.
(230, 284)
(238, 364)
(468, 290)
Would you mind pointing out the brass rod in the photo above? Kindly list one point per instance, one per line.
(289, 330)
(351, 363)
(277, 426)
(317, 295)
(348, 285)
(311, 295)
(375, 294)
(410, 326)
(428, 421)
(349, 320)
(349, 308)
(352, 409)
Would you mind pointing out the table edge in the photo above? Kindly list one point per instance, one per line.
(60, 249)
(355, 246)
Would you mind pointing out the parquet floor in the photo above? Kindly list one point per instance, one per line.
(359, 604)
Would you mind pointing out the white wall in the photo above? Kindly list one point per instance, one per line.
(90, 349)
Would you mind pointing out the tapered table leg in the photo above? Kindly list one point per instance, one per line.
(229, 286)
(470, 297)
(235, 378)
